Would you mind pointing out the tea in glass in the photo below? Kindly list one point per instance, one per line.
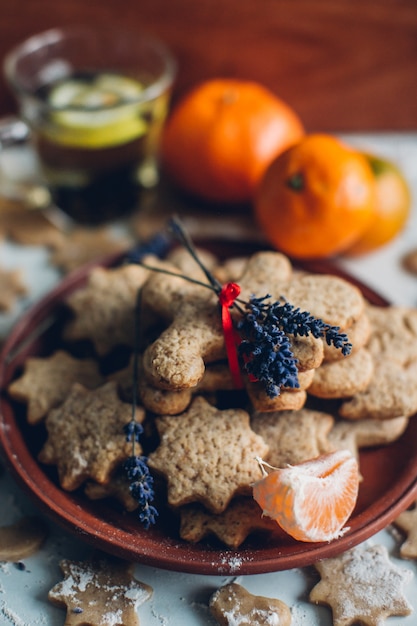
(96, 103)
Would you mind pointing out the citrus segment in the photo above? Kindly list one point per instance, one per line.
(101, 112)
(223, 134)
(393, 205)
(316, 199)
(313, 500)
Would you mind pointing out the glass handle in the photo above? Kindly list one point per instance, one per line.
(13, 131)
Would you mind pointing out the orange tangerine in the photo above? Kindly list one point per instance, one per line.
(313, 500)
(393, 206)
(316, 198)
(222, 135)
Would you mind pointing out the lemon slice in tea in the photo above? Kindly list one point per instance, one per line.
(100, 111)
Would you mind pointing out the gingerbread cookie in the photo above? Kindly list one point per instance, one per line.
(394, 333)
(293, 436)
(330, 298)
(21, 539)
(207, 455)
(287, 400)
(362, 585)
(117, 487)
(33, 228)
(99, 592)
(85, 435)
(343, 378)
(104, 310)
(391, 393)
(194, 337)
(365, 433)
(241, 518)
(359, 334)
(233, 605)
(46, 382)
(217, 377)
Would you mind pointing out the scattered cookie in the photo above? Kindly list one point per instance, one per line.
(207, 455)
(241, 518)
(99, 592)
(293, 436)
(46, 382)
(85, 435)
(83, 245)
(362, 585)
(104, 310)
(233, 605)
(12, 287)
(33, 228)
(407, 521)
(21, 539)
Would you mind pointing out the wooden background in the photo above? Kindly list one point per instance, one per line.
(342, 64)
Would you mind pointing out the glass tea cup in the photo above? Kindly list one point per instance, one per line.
(95, 102)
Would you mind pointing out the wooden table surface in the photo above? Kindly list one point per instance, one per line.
(344, 65)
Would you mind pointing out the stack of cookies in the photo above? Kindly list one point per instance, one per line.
(200, 434)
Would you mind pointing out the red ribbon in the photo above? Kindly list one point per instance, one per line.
(227, 296)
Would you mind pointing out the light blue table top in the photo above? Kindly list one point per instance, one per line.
(182, 599)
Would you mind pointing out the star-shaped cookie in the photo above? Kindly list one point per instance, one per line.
(207, 455)
(293, 436)
(99, 592)
(407, 521)
(104, 310)
(46, 382)
(85, 435)
(241, 518)
(362, 585)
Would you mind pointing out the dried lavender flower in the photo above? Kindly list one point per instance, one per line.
(141, 488)
(265, 349)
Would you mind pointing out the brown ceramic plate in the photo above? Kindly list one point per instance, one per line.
(389, 485)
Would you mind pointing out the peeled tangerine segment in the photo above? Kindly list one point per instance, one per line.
(313, 500)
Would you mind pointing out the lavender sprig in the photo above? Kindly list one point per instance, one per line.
(265, 350)
(141, 488)
(136, 466)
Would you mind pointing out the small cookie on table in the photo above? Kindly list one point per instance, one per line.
(232, 604)
(362, 585)
(100, 591)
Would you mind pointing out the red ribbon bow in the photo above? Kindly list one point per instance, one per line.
(227, 297)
